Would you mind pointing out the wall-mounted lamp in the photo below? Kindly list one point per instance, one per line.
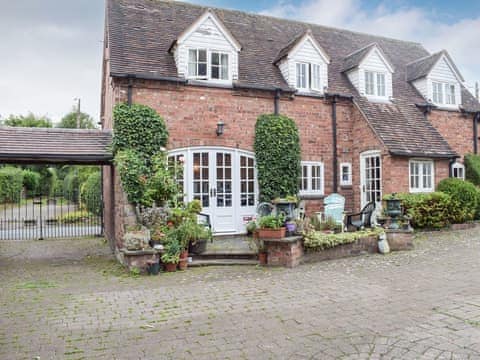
(220, 126)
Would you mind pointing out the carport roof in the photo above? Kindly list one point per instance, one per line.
(46, 145)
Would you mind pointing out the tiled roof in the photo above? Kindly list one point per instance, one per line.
(54, 145)
(355, 58)
(423, 66)
(141, 32)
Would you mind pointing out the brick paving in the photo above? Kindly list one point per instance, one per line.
(68, 299)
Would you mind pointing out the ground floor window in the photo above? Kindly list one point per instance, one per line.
(421, 176)
(345, 174)
(458, 171)
(311, 178)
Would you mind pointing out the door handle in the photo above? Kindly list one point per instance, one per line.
(214, 192)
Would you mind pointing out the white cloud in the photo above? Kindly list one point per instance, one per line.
(461, 38)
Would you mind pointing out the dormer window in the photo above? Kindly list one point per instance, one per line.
(302, 76)
(204, 65)
(369, 70)
(438, 91)
(308, 76)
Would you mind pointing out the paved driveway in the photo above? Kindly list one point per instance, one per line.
(68, 299)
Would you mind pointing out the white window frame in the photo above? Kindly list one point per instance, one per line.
(347, 182)
(208, 77)
(375, 84)
(197, 77)
(307, 80)
(437, 92)
(450, 98)
(421, 188)
(309, 190)
(316, 70)
(458, 167)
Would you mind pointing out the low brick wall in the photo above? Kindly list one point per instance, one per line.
(286, 252)
(365, 245)
(138, 258)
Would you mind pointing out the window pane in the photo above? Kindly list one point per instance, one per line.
(301, 76)
(381, 84)
(316, 76)
(215, 59)
(215, 72)
(202, 69)
(369, 85)
(202, 56)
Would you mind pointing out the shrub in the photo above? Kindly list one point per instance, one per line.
(472, 168)
(464, 193)
(133, 173)
(31, 181)
(91, 194)
(70, 187)
(271, 222)
(432, 210)
(11, 184)
(315, 240)
(74, 217)
(138, 127)
(277, 150)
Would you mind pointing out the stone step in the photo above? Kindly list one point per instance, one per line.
(222, 262)
(226, 254)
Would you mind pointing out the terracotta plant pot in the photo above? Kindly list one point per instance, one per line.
(184, 255)
(272, 233)
(262, 258)
(171, 267)
(183, 264)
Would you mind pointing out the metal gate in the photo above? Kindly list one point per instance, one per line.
(51, 216)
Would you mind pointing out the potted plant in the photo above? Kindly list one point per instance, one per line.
(259, 246)
(171, 256)
(271, 227)
(251, 228)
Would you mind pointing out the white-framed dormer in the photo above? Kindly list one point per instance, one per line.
(207, 52)
(304, 65)
(369, 70)
(440, 83)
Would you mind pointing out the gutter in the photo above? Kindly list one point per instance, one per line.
(476, 118)
(422, 155)
(149, 77)
(276, 102)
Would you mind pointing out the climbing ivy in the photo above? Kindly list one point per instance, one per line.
(140, 136)
(277, 151)
(138, 127)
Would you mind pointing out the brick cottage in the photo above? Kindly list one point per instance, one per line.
(375, 115)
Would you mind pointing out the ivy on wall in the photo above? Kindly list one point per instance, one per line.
(277, 151)
(472, 168)
(140, 137)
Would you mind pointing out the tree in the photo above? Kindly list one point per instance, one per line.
(29, 120)
(69, 121)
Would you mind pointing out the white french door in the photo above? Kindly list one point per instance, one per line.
(371, 178)
(224, 181)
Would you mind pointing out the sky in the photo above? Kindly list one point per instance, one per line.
(51, 50)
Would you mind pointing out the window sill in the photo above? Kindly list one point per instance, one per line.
(211, 83)
(421, 191)
(311, 196)
(346, 186)
(378, 99)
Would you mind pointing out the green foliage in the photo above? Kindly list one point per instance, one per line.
(464, 193)
(316, 240)
(133, 173)
(138, 144)
(74, 217)
(138, 127)
(11, 184)
(69, 121)
(277, 151)
(70, 187)
(91, 194)
(271, 222)
(431, 210)
(172, 252)
(31, 182)
(472, 168)
(29, 120)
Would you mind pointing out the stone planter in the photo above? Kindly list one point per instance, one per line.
(272, 233)
(136, 240)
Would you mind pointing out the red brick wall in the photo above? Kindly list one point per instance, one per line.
(456, 128)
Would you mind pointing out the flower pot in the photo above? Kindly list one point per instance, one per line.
(183, 264)
(197, 248)
(262, 258)
(291, 227)
(184, 255)
(154, 268)
(170, 267)
(272, 233)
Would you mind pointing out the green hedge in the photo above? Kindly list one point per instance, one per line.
(317, 240)
(11, 184)
(465, 194)
(31, 182)
(432, 210)
(91, 194)
(70, 187)
(140, 128)
(472, 168)
(277, 150)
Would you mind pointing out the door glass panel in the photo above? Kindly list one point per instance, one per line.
(373, 191)
(247, 181)
(224, 180)
(201, 186)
